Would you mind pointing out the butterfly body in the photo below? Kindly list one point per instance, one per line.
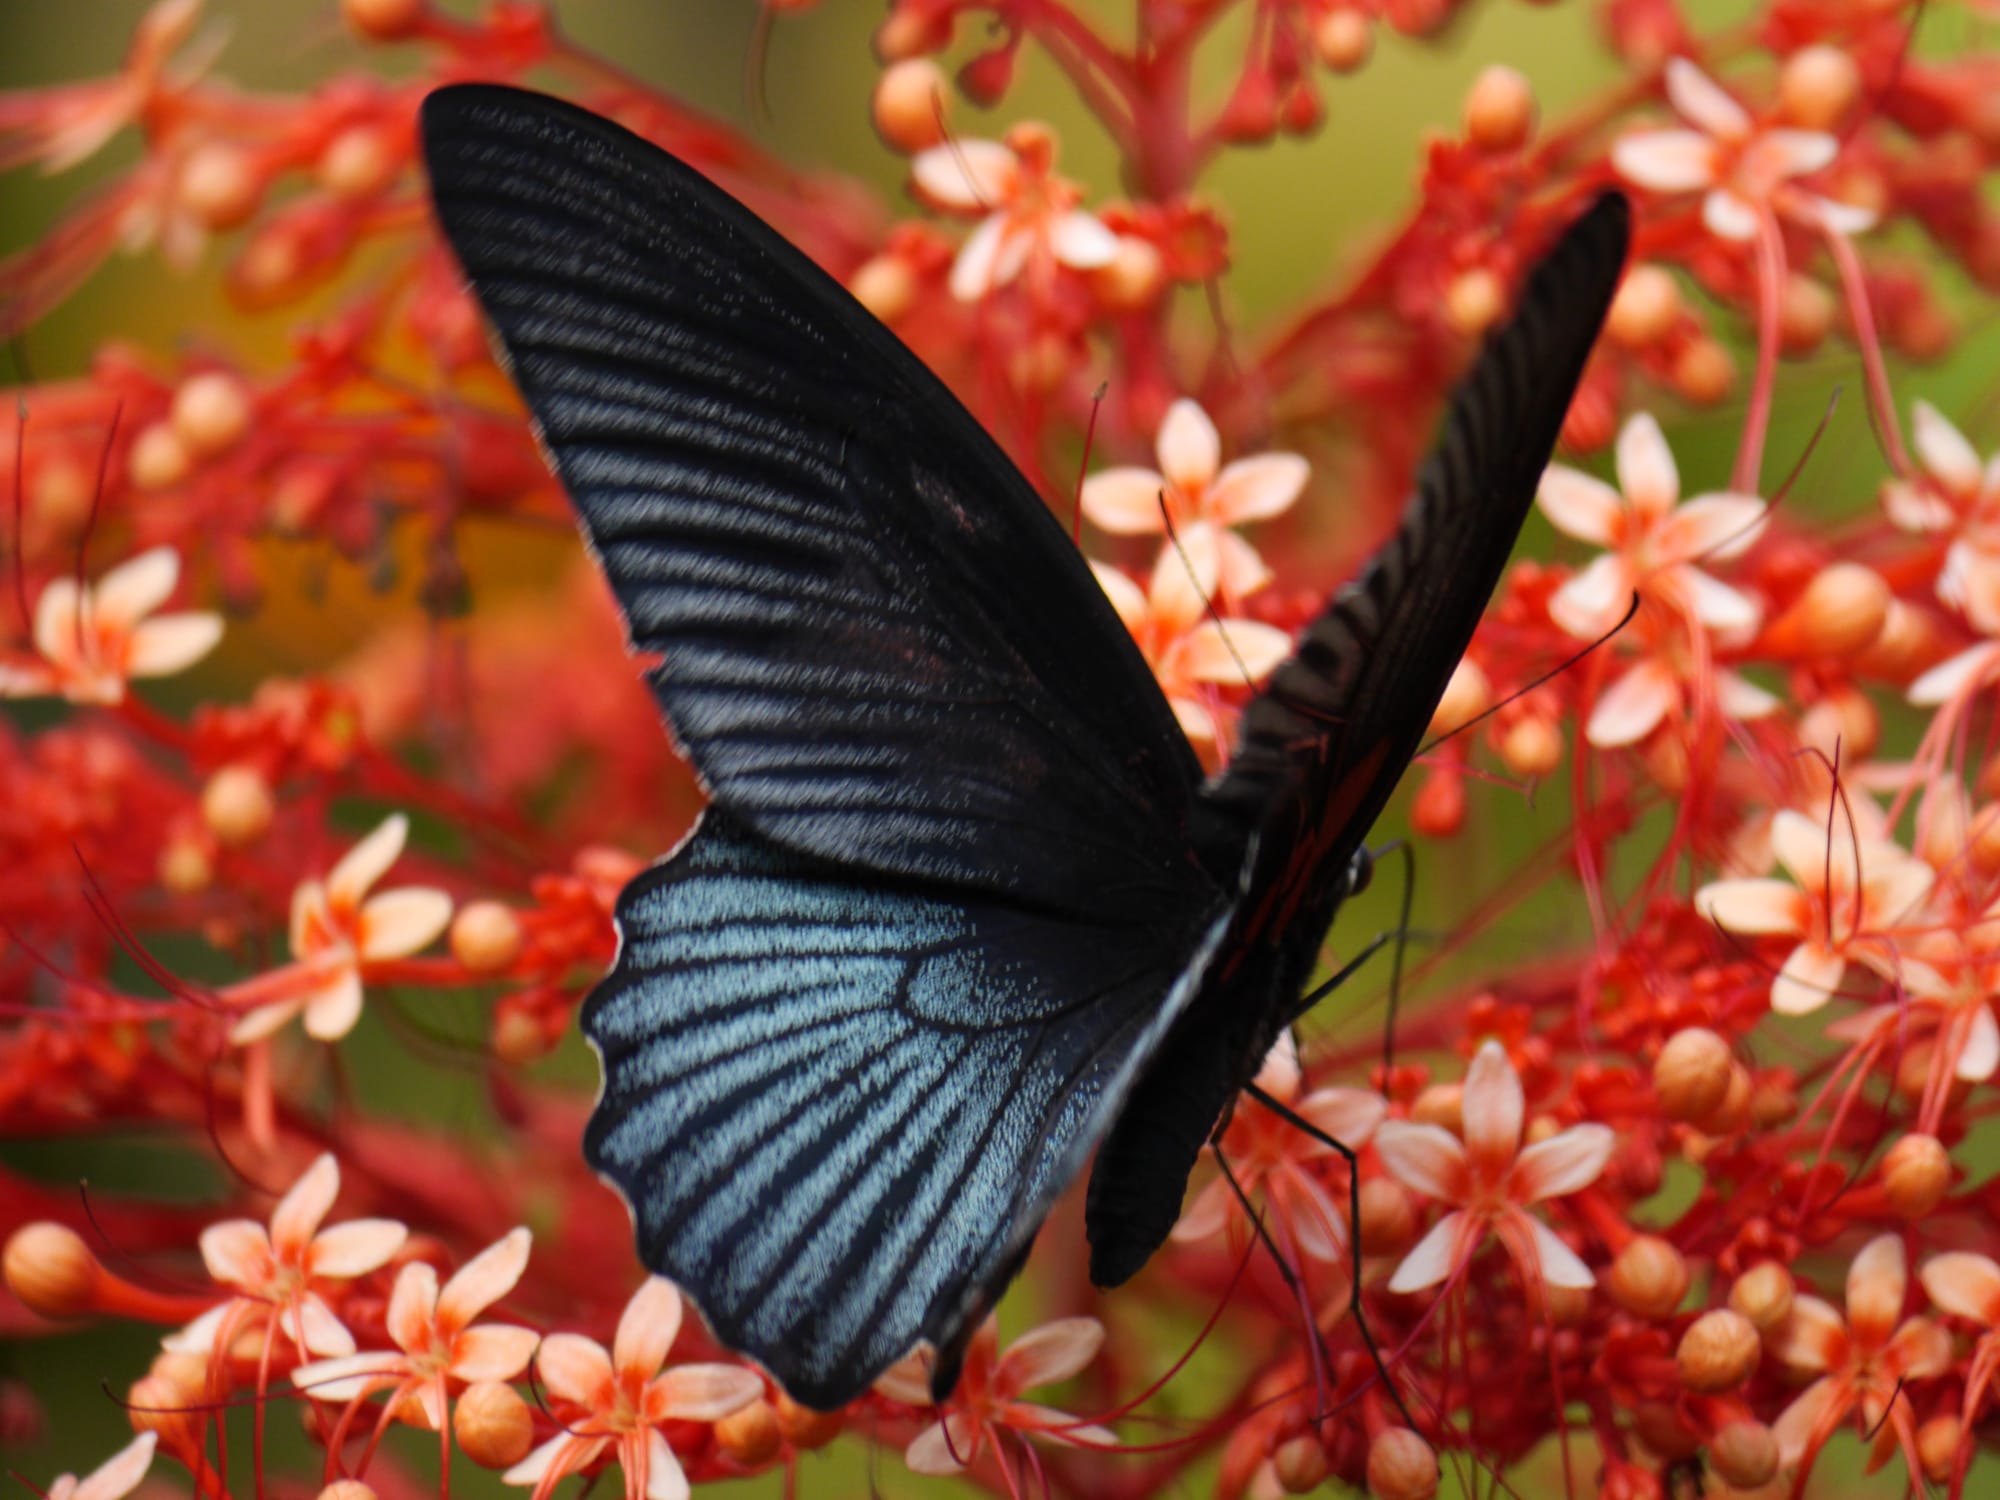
(962, 909)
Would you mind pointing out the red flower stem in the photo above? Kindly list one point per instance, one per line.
(1854, 285)
(1770, 253)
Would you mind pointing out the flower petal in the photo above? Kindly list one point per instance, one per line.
(908, 1380)
(1491, 1106)
(1948, 679)
(200, 1335)
(1666, 161)
(367, 862)
(1184, 578)
(647, 1329)
(1878, 1279)
(1727, 611)
(1428, 1158)
(1236, 653)
(1947, 456)
(1128, 600)
(238, 1253)
(971, 176)
(1810, 977)
(531, 1469)
(1805, 1424)
(1796, 153)
(945, 1447)
(119, 1474)
(1731, 216)
(1844, 219)
(1257, 488)
(702, 1393)
(1965, 1284)
(1559, 1265)
(492, 1351)
(1350, 1116)
(575, 1368)
(1242, 571)
(1580, 505)
(412, 1314)
(1189, 447)
(664, 1478)
(354, 1248)
(1703, 102)
(1055, 1351)
(1741, 699)
(977, 270)
(1205, 1217)
(1592, 601)
(1436, 1254)
(135, 588)
(310, 1324)
(1754, 907)
(335, 1006)
(350, 1377)
(1979, 1057)
(1080, 240)
(1633, 706)
(1646, 470)
(1813, 1335)
(57, 631)
(1562, 1164)
(161, 647)
(484, 1280)
(398, 923)
(1124, 502)
(1710, 526)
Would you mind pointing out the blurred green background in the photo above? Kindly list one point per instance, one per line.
(1301, 212)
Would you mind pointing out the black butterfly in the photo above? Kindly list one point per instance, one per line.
(963, 909)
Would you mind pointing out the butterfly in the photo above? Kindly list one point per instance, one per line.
(962, 909)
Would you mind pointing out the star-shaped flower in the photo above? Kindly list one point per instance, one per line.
(438, 1341)
(618, 1402)
(985, 1401)
(1743, 170)
(1967, 1285)
(91, 641)
(1199, 491)
(337, 927)
(1960, 495)
(1031, 218)
(282, 1271)
(1490, 1180)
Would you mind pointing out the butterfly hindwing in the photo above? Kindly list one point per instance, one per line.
(840, 1107)
(876, 644)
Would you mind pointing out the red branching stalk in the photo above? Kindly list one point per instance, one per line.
(1746, 849)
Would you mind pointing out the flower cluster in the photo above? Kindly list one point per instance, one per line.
(320, 779)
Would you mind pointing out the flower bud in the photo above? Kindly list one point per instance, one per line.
(1343, 39)
(237, 805)
(1440, 1104)
(1564, 1306)
(1718, 1352)
(1817, 86)
(1660, 1426)
(1909, 641)
(1468, 695)
(493, 1424)
(1704, 372)
(1401, 1466)
(1499, 110)
(911, 32)
(1805, 313)
(159, 459)
(1986, 838)
(1649, 1277)
(520, 1035)
(750, 1434)
(50, 1270)
(885, 285)
(349, 1489)
(1474, 300)
(1134, 277)
(211, 411)
(1937, 1447)
(803, 1427)
(1763, 1294)
(1744, 1454)
(1691, 1075)
(1300, 1464)
(1916, 1173)
(1733, 1114)
(385, 20)
(1532, 746)
(1774, 1098)
(908, 105)
(1844, 720)
(485, 936)
(184, 866)
(1840, 612)
(1438, 810)
(1388, 1217)
(157, 1404)
(1647, 306)
(220, 184)
(358, 163)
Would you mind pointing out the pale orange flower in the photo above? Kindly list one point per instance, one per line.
(1187, 650)
(1961, 495)
(113, 1479)
(337, 927)
(1264, 1149)
(1743, 170)
(439, 1342)
(1199, 491)
(91, 641)
(1031, 216)
(1967, 1286)
(1864, 1360)
(985, 1400)
(1490, 1180)
(283, 1269)
(1846, 897)
(617, 1401)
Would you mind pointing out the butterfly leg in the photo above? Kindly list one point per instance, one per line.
(1346, 1153)
(1322, 1380)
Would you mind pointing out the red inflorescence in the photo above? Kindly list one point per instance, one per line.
(1689, 1195)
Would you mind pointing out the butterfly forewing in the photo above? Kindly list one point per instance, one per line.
(871, 1017)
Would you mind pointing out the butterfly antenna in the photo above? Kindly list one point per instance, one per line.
(1347, 1154)
(20, 568)
(1083, 466)
(1322, 1379)
(755, 61)
(1631, 610)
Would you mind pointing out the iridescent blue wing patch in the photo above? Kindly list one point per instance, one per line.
(840, 1108)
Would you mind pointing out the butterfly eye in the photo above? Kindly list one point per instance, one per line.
(1360, 872)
